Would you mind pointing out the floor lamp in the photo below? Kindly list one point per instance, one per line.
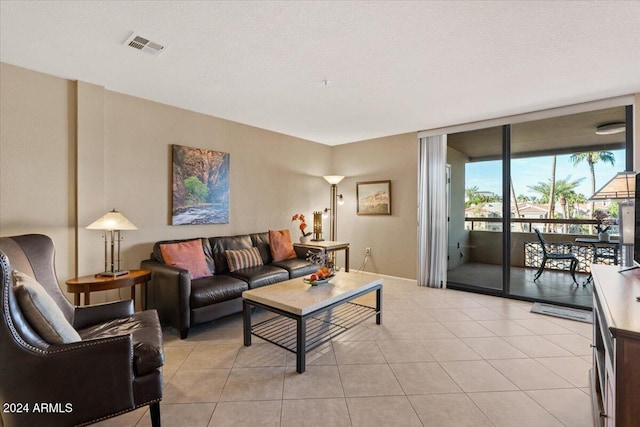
(334, 180)
(622, 187)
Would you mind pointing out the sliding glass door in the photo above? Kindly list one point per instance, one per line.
(475, 257)
(507, 182)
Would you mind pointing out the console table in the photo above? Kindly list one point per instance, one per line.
(93, 283)
(615, 376)
(328, 246)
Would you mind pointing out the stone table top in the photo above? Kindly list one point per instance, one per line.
(297, 297)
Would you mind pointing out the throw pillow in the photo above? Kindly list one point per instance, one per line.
(243, 258)
(42, 313)
(281, 245)
(188, 255)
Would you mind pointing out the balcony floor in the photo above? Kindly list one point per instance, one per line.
(553, 286)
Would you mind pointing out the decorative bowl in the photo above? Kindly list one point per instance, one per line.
(318, 282)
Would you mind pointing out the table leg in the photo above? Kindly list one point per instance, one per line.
(76, 299)
(246, 323)
(133, 296)
(301, 345)
(379, 305)
(346, 260)
(87, 298)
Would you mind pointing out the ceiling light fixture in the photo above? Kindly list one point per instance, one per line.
(611, 128)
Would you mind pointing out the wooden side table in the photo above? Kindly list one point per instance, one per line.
(93, 283)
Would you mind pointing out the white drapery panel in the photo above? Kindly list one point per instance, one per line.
(432, 212)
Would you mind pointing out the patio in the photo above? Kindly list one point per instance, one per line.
(482, 268)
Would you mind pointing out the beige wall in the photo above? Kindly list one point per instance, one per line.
(37, 159)
(272, 176)
(124, 162)
(392, 239)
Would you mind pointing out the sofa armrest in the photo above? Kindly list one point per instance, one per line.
(85, 316)
(169, 291)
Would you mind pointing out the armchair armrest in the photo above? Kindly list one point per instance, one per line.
(89, 379)
(85, 316)
(169, 292)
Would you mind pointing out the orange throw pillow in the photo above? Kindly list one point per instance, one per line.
(281, 245)
(188, 255)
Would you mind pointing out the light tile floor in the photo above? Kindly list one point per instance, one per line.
(441, 358)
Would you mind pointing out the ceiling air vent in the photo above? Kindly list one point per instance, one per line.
(145, 45)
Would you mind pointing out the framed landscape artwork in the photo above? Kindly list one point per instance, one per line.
(374, 198)
(200, 186)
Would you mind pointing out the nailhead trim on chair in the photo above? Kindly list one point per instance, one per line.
(67, 347)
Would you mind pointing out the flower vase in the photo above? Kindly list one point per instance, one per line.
(603, 237)
(303, 239)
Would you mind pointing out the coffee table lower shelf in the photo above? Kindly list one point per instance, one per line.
(322, 327)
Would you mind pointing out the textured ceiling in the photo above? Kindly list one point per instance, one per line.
(393, 67)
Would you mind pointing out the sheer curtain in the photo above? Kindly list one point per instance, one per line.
(432, 212)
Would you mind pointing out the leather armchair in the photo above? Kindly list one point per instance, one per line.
(114, 369)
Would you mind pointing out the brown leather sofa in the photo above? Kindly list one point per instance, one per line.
(182, 302)
(115, 368)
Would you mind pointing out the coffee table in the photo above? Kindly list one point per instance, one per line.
(309, 316)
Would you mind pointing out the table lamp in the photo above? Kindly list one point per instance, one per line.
(112, 223)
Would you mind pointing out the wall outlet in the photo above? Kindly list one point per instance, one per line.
(367, 251)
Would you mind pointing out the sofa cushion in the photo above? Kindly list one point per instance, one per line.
(215, 289)
(297, 267)
(281, 245)
(41, 311)
(261, 241)
(261, 276)
(188, 255)
(222, 243)
(156, 255)
(243, 258)
(146, 337)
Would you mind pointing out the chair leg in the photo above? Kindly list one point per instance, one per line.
(154, 410)
(540, 270)
(574, 265)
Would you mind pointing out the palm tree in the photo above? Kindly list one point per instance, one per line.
(471, 196)
(564, 190)
(593, 157)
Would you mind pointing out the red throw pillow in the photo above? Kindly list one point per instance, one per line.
(188, 255)
(281, 245)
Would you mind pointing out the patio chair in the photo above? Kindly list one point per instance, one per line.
(564, 255)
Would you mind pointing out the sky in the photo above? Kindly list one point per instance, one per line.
(487, 176)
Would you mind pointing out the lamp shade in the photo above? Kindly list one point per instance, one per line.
(620, 187)
(112, 220)
(333, 179)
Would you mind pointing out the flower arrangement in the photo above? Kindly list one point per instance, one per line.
(604, 222)
(303, 224)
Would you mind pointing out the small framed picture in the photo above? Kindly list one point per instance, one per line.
(374, 197)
